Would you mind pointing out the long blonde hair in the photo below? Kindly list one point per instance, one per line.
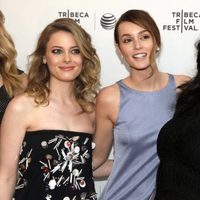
(85, 85)
(8, 68)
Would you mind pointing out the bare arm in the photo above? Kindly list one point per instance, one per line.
(104, 170)
(181, 79)
(106, 114)
(11, 137)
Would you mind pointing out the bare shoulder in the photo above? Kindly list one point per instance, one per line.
(19, 112)
(181, 79)
(20, 103)
(108, 94)
(108, 102)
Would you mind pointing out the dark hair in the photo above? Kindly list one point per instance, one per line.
(141, 18)
(189, 98)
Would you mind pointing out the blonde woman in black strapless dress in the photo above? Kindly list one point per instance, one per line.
(50, 141)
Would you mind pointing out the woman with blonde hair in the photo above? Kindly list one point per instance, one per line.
(12, 80)
(53, 121)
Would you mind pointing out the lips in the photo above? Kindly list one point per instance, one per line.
(66, 68)
(139, 55)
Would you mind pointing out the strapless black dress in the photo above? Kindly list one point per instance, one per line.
(55, 165)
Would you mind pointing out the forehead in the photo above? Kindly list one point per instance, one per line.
(61, 38)
(130, 28)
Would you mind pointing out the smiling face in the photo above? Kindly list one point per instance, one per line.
(63, 57)
(136, 45)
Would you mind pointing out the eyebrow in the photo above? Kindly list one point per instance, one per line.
(56, 46)
(63, 47)
(127, 34)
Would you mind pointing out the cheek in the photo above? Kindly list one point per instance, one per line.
(127, 55)
(53, 60)
(126, 49)
(52, 63)
(123, 52)
(152, 46)
(79, 62)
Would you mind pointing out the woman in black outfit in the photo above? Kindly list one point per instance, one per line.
(178, 147)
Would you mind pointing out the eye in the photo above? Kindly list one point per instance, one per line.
(145, 36)
(57, 51)
(126, 40)
(75, 51)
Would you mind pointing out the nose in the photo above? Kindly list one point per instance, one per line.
(137, 44)
(67, 58)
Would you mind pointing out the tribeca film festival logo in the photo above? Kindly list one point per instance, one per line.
(108, 21)
(184, 21)
(77, 16)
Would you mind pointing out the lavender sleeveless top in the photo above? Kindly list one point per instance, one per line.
(141, 116)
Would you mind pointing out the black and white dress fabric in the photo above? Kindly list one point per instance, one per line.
(55, 165)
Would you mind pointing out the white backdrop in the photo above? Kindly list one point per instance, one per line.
(178, 21)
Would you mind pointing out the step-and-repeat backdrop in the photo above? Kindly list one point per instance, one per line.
(178, 21)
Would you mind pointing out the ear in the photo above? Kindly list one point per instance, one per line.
(44, 60)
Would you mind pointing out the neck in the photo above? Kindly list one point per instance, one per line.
(145, 81)
(62, 91)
